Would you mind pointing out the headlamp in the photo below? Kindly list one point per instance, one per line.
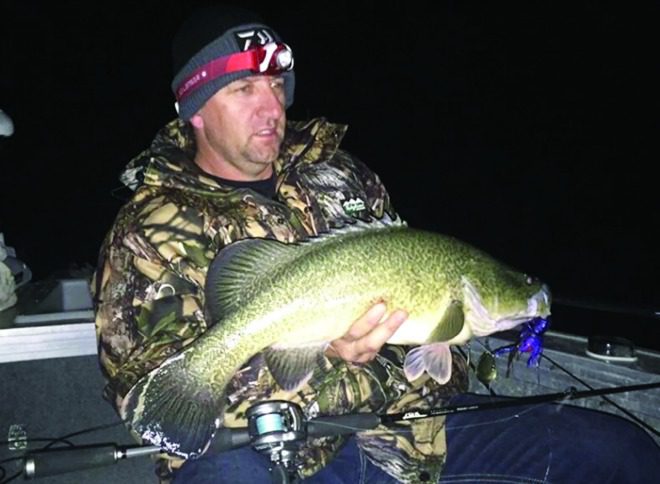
(270, 59)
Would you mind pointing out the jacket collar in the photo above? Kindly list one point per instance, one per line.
(169, 159)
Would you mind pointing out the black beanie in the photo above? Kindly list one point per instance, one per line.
(209, 33)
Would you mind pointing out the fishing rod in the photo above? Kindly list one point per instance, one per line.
(640, 311)
(571, 393)
(278, 429)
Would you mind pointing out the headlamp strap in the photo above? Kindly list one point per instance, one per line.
(266, 59)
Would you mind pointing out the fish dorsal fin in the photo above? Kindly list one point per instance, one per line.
(237, 267)
(451, 323)
(355, 227)
(241, 264)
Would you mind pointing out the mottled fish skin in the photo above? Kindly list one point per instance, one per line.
(309, 295)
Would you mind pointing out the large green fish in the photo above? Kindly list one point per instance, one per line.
(291, 300)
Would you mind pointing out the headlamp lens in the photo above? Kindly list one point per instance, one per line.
(274, 58)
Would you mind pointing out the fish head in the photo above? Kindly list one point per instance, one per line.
(499, 298)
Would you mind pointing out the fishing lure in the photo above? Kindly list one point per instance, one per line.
(530, 340)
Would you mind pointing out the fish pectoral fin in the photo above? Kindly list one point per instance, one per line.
(292, 367)
(451, 323)
(170, 408)
(434, 359)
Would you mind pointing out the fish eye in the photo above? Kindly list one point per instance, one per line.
(529, 280)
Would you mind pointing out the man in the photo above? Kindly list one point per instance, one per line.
(232, 167)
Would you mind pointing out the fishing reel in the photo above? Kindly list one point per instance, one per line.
(277, 428)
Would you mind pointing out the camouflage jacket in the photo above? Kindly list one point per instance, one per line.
(152, 267)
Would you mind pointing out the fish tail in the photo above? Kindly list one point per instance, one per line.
(171, 408)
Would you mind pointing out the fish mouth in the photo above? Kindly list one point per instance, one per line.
(482, 323)
(539, 303)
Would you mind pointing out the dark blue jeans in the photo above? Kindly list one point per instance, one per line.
(544, 443)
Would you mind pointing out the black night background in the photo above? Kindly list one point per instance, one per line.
(528, 130)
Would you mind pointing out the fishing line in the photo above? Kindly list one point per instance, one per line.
(491, 392)
(51, 442)
(11, 478)
(496, 421)
(473, 368)
(643, 312)
(622, 409)
(3, 472)
(86, 431)
(605, 398)
(362, 429)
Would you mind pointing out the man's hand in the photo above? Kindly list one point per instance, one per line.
(367, 335)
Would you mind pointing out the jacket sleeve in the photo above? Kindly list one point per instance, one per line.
(148, 290)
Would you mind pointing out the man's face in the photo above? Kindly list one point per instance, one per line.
(243, 125)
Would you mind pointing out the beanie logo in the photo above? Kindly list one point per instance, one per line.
(246, 39)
